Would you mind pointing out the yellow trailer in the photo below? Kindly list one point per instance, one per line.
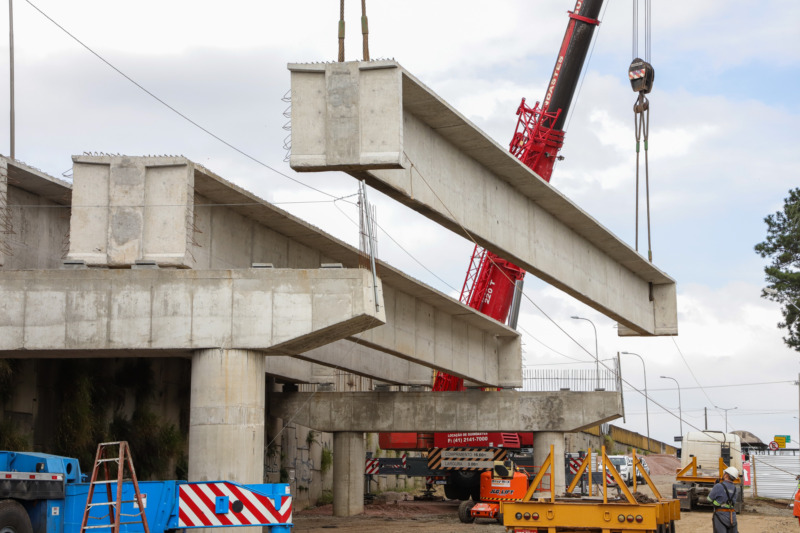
(599, 514)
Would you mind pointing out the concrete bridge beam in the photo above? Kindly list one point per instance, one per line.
(426, 411)
(377, 122)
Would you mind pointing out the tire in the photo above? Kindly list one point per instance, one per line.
(451, 492)
(672, 527)
(500, 518)
(14, 518)
(464, 511)
(475, 493)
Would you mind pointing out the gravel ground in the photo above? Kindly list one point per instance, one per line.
(394, 513)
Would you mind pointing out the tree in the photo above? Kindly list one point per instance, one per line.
(782, 246)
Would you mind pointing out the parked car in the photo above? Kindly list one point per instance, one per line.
(624, 466)
(639, 476)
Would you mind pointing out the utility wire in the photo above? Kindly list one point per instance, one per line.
(171, 108)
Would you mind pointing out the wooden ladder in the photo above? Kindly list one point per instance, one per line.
(114, 502)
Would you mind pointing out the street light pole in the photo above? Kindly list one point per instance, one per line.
(646, 397)
(726, 414)
(596, 351)
(680, 412)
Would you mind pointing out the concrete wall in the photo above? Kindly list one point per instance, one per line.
(34, 229)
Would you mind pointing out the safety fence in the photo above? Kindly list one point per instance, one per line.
(577, 380)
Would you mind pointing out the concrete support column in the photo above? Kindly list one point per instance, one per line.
(226, 416)
(348, 473)
(541, 448)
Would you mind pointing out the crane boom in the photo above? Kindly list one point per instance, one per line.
(491, 280)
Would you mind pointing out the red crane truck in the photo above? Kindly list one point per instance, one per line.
(492, 282)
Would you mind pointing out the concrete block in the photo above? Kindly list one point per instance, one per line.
(451, 172)
(127, 209)
(346, 118)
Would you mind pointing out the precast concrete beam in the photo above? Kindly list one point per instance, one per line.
(473, 411)
(156, 312)
(379, 123)
(354, 357)
(447, 338)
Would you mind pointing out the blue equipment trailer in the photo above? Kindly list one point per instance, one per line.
(43, 493)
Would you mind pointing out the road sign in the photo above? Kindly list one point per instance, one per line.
(781, 440)
(773, 446)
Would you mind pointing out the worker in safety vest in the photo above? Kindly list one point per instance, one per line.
(796, 506)
(723, 497)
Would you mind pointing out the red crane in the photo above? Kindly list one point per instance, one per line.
(490, 282)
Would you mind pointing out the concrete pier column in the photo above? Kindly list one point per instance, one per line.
(541, 448)
(226, 416)
(348, 473)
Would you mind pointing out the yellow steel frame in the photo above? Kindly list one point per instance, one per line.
(694, 477)
(566, 515)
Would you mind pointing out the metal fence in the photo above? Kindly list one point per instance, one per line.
(774, 476)
(547, 380)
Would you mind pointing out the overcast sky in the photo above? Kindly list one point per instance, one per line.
(723, 150)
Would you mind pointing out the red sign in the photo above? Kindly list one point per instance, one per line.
(773, 446)
(476, 440)
(746, 474)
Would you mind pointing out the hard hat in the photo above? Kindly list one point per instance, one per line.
(733, 472)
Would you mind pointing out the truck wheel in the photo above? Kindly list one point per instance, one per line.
(451, 492)
(14, 518)
(464, 511)
(500, 518)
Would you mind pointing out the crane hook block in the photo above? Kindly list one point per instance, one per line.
(641, 74)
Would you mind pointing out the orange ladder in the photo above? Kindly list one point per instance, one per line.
(122, 461)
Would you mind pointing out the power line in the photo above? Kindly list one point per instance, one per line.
(171, 108)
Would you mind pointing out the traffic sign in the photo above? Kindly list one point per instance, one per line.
(773, 446)
(781, 440)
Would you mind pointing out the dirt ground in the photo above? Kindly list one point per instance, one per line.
(398, 512)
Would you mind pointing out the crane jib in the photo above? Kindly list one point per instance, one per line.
(571, 56)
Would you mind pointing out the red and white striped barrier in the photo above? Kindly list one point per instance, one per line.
(198, 503)
(371, 466)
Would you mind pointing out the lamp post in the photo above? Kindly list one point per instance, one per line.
(646, 397)
(680, 412)
(596, 351)
(726, 414)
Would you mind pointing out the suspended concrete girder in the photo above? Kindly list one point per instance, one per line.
(427, 411)
(137, 312)
(377, 122)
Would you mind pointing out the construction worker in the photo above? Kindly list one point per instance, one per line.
(796, 505)
(723, 497)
